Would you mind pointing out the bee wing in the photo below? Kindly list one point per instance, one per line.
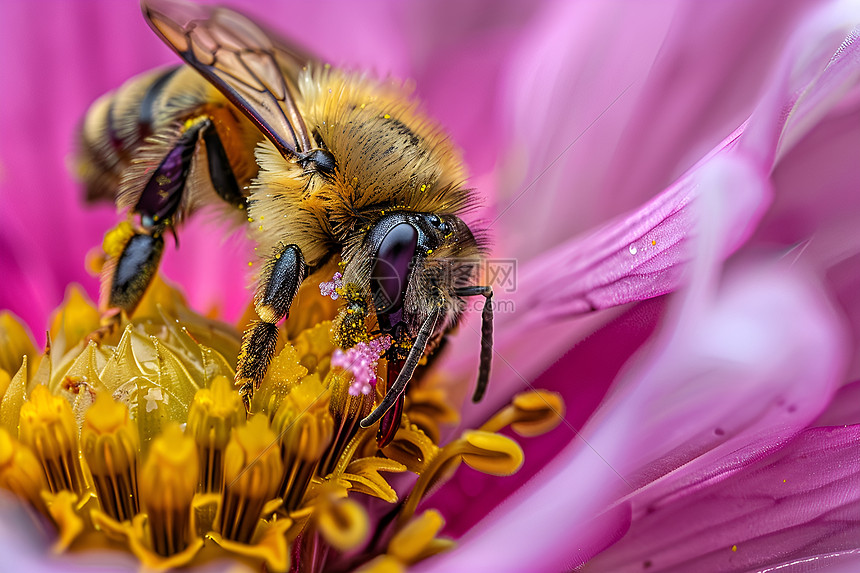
(247, 65)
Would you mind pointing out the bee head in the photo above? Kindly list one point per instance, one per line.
(413, 271)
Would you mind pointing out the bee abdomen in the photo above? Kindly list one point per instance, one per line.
(115, 125)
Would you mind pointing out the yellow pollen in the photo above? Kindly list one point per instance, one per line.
(734, 547)
(386, 116)
(116, 239)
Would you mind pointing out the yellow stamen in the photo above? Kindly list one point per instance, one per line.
(488, 453)
(241, 489)
(252, 473)
(167, 485)
(20, 471)
(215, 412)
(110, 444)
(417, 540)
(529, 414)
(305, 428)
(15, 343)
(343, 524)
(47, 426)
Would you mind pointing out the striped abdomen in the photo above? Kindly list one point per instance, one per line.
(128, 128)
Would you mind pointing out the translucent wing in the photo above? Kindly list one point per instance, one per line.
(242, 61)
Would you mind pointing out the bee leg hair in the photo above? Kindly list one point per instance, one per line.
(278, 285)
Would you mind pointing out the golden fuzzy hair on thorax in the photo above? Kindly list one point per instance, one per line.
(389, 156)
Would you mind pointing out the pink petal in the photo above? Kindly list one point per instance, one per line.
(788, 392)
(844, 410)
(636, 257)
(543, 293)
(801, 502)
(638, 92)
(724, 362)
(25, 546)
(458, 66)
(583, 375)
(818, 68)
(823, 232)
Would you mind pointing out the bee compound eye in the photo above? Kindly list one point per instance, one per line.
(390, 274)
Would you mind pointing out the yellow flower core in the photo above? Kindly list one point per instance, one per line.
(140, 440)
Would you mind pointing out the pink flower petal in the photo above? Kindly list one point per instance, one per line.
(797, 503)
(626, 97)
(725, 361)
(844, 410)
(819, 67)
(636, 257)
(583, 375)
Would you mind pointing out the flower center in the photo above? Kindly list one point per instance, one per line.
(143, 440)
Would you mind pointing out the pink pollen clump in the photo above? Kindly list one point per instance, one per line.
(362, 360)
(330, 288)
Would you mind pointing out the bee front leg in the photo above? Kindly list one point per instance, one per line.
(279, 283)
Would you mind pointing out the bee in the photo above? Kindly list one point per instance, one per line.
(328, 167)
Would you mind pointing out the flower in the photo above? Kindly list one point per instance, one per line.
(141, 442)
(586, 111)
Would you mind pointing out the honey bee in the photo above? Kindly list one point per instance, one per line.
(329, 167)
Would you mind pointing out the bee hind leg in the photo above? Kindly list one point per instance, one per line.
(278, 285)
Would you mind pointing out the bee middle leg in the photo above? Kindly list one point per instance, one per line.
(279, 283)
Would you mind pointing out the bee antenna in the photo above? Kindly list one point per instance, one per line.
(415, 354)
(486, 346)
